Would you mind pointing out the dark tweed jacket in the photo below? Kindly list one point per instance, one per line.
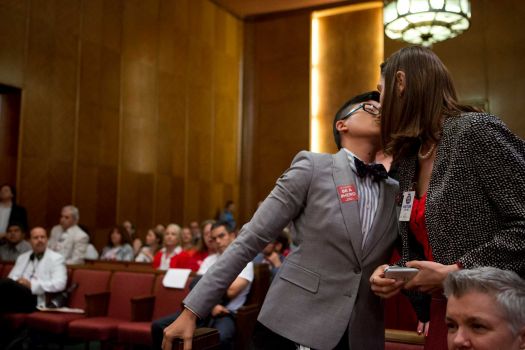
(475, 209)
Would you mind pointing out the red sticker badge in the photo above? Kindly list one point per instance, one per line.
(347, 193)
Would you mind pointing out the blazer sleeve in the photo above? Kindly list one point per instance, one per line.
(499, 158)
(18, 269)
(80, 243)
(284, 203)
(55, 281)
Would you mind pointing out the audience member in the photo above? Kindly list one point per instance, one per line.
(35, 273)
(160, 228)
(154, 240)
(171, 248)
(15, 243)
(68, 238)
(227, 215)
(118, 247)
(91, 251)
(194, 257)
(222, 316)
(272, 255)
(485, 309)
(136, 242)
(342, 209)
(195, 231)
(10, 212)
(186, 238)
(464, 172)
(206, 235)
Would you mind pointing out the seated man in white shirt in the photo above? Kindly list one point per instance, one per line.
(222, 314)
(68, 238)
(35, 273)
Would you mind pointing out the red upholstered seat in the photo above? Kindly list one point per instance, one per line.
(7, 267)
(88, 281)
(138, 333)
(13, 321)
(123, 286)
(167, 301)
(402, 346)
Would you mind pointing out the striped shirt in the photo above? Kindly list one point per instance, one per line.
(368, 192)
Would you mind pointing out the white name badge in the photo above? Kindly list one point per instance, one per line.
(406, 205)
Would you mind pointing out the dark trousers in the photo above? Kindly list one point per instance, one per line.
(265, 339)
(225, 325)
(16, 297)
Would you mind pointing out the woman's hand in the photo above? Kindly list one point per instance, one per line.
(384, 287)
(430, 276)
(422, 328)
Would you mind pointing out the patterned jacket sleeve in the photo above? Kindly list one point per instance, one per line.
(499, 158)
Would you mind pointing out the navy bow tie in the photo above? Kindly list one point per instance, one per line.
(37, 256)
(377, 171)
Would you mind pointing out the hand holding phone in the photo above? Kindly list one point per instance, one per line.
(400, 273)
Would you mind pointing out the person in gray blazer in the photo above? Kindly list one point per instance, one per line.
(342, 216)
(68, 238)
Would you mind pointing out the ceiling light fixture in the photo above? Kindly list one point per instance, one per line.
(425, 22)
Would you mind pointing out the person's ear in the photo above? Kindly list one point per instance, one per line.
(340, 125)
(400, 83)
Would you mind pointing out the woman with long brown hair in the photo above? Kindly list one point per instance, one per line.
(466, 171)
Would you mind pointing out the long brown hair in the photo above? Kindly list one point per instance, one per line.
(125, 238)
(429, 95)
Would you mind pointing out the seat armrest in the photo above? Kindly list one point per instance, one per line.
(142, 308)
(203, 339)
(97, 304)
(245, 320)
(401, 336)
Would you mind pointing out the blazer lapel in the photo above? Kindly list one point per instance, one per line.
(344, 176)
(381, 218)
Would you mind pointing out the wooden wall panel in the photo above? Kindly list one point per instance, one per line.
(13, 27)
(350, 51)
(9, 126)
(119, 106)
(277, 91)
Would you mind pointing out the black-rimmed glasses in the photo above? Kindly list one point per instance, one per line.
(367, 107)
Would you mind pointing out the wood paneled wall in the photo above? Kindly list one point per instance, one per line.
(486, 62)
(350, 52)
(276, 102)
(9, 125)
(130, 109)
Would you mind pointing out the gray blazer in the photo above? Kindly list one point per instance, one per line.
(322, 288)
(73, 249)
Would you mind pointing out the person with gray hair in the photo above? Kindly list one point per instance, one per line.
(68, 238)
(485, 309)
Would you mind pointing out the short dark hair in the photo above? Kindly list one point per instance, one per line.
(221, 223)
(19, 225)
(367, 96)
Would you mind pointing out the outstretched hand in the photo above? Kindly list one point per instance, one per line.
(384, 287)
(430, 276)
(183, 327)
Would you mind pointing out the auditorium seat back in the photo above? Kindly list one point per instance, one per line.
(124, 286)
(89, 282)
(168, 300)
